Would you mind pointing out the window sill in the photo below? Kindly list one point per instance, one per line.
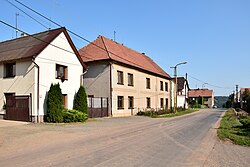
(120, 108)
(120, 83)
(131, 108)
(9, 77)
(131, 85)
(64, 79)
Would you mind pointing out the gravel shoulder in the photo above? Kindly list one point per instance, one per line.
(229, 155)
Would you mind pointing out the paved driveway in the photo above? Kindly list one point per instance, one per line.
(132, 141)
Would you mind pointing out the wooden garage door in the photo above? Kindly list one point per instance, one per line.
(17, 108)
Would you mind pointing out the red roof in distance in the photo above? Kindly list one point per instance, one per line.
(200, 93)
(105, 49)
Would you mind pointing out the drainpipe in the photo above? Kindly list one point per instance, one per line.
(81, 77)
(110, 81)
(38, 82)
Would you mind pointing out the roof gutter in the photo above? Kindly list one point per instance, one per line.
(38, 83)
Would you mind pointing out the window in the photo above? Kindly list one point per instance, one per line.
(120, 102)
(65, 101)
(130, 102)
(205, 98)
(166, 105)
(120, 77)
(61, 72)
(148, 83)
(162, 103)
(166, 86)
(148, 102)
(161, 85)
(130, 79)
(10, 70)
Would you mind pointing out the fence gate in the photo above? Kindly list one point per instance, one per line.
(97, 107)
(17, 108)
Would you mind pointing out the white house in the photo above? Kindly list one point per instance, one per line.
(182, 92)
(131, 81)
(29, 65)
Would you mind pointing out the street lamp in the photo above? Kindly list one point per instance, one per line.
(176, 90)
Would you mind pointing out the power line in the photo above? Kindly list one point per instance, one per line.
(27, 14)
(86, 40)
(220, 87)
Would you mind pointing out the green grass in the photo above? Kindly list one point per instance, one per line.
(231, 128)
(179, 113)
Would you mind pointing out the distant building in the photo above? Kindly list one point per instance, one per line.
(201, 96)
(241, 92)
(182, 92)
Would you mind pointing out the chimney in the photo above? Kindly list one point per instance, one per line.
(23, 34)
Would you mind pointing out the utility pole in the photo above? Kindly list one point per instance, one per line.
(17, 14)
(114, 35)
(236, 90)
(185, 92)
(176, 84)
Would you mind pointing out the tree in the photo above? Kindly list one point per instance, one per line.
(55, 104)
(80, 101)
(229, 101)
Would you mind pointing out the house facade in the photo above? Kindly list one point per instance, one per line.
(29, 65)
(201, 96)
(240, 96)
(130, 80)
(182, 92)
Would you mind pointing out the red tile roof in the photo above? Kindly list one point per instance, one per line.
(105, 49)
(244, 89)
(200, 93)
(31, 45)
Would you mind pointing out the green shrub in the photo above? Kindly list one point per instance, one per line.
(54, 104)
(245, 121)
(80, 101)
(153, 112)
(196, 106)
(74, 116)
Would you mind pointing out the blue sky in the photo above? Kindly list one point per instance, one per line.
(213, 36)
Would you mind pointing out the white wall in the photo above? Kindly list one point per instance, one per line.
(47, 61)
(22, 84)
(138, 91)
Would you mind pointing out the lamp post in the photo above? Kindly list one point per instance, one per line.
(176, 90)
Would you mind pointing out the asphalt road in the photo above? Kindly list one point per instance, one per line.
(133, 141)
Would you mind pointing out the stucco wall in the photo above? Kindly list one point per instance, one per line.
(138, 91)
(47, 61)
(22, 84)
(97, 80)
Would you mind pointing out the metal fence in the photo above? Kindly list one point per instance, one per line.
(97, 107)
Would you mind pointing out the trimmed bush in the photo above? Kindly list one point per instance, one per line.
(74, 116)
(54, 104)
(80, 101)
(153, 113)
(245, 121)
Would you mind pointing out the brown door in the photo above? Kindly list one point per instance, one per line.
(17, 108)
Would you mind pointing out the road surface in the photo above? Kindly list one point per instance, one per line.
(188, 140)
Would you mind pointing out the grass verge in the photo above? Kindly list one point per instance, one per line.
(231, 128)
(179, 113)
